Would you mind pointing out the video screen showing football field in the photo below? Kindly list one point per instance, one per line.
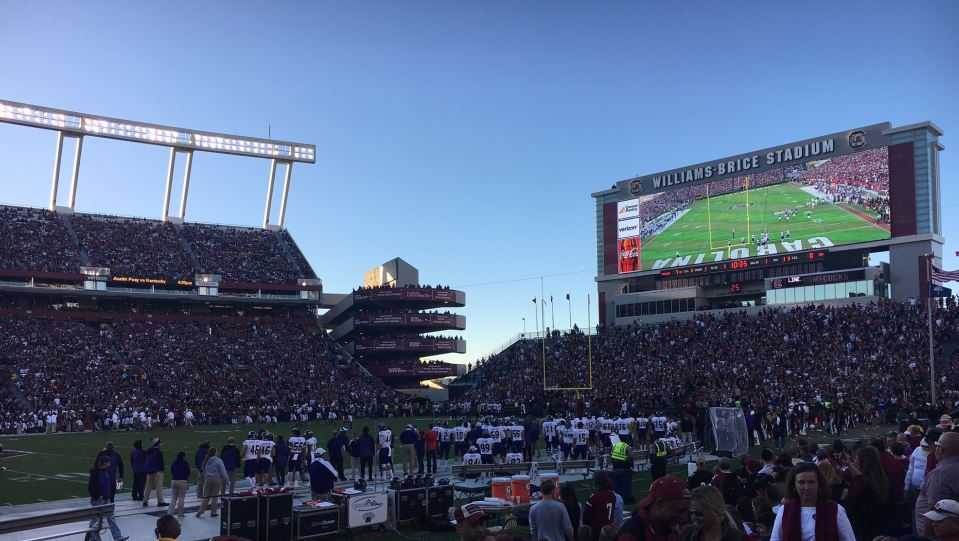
(818, 204)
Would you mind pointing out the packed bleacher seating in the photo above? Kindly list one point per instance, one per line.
(222, 369)
(118, 243)
(39, 240)
(859, 358)
(35, 239)
(229, 252)
(860, 179)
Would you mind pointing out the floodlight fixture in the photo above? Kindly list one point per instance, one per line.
(70, 124)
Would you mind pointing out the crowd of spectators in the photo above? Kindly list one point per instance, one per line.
(35, 239)
(239, 254)
(39, 240)
(834, 364)
(119, 244)
(137, 371)
(860, 179)
(407, 286)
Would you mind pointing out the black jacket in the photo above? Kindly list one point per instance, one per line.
(101, 484)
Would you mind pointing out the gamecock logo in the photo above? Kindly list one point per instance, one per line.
(857, 138)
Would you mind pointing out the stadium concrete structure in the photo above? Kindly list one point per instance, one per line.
(382, 325)
(794, 223)
(77, 266)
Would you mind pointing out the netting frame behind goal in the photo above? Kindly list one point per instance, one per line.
(729, 431)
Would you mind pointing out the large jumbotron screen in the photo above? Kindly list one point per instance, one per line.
(801, 206)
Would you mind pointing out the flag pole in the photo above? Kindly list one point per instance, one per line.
(542, 306)
(932, 359)
(569, 303)
(589, 343)
(552, 311)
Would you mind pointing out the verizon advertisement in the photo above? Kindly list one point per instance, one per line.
(628, 243)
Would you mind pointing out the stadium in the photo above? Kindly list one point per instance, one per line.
(152, 370)
(143, 333)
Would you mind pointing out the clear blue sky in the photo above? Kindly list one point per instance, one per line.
(463, 137)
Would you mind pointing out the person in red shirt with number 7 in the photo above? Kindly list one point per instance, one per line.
(600, 506)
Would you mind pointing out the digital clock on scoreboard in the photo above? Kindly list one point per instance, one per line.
(744, 264)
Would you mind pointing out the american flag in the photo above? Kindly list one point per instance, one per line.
(940, 276)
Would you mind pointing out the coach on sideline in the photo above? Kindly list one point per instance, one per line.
(154, 471)
(322, 475)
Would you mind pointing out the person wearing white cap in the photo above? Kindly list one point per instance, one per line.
(322, 475)
(944, 520)
(942, 483)
(945, 422)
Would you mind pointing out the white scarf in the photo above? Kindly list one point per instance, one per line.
(328, 466)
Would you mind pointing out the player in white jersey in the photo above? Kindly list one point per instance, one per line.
(496, 434)
(630, 429)
(485, 445)
(659, 425)
(642, 428)
(265, 450)
(310, 447)
(516, 431)
(297, 444)
(472, 458)
(514, 458)
(446, 437)
(621, 426)
(580, 441)
(567, 438)
(250, 457)
(549, 433)
(385, 441)
(459, 439)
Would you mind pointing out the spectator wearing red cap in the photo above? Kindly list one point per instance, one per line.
(659, 515)
(809, 514)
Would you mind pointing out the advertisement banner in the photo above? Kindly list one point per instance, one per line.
(627, 210)
(629, 254)
(628, 229)
(366, 509)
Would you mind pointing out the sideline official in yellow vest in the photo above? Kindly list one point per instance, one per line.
(658, 459)
(620, 455)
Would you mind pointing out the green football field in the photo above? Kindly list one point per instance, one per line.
(44, 467)
(727, 222)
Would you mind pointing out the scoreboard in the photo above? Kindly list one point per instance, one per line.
(745, 264)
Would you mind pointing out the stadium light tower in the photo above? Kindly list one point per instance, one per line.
(76, 126)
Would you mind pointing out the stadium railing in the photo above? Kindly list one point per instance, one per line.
(35, 522)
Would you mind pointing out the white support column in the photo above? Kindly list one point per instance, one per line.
(56, 171)
(169, 185)
(269, 194)
(75, 174)
(186, 184)
(286, 192)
